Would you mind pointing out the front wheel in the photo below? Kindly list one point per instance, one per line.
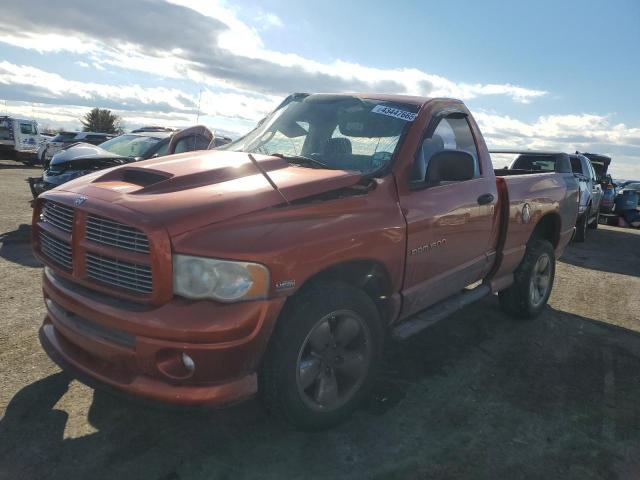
(532, 283)
(322, 358)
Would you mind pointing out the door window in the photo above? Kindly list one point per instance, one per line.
(452, 133)
(191, 143)
(27, 129)
(592, 172)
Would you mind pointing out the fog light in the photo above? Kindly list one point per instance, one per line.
(175, 364)
(188, 362)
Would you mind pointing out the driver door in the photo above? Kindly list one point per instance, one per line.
(450, 226)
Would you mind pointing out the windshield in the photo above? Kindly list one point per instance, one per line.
(331, 131)
(130, 145)
(64, 137)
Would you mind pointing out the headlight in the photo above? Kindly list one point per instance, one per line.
(199, 277)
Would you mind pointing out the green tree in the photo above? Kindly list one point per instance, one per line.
(102, 120)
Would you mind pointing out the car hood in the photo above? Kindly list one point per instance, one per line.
(190, 190)
(82, 151)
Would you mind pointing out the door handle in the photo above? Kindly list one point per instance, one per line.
(484, 199)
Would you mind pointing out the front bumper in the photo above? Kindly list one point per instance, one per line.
(138, 350)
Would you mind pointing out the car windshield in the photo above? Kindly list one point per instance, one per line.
(331, 131)
(64, 137)
(130, 145)
(632, 186)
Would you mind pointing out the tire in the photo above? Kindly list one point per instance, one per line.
(520, 299)
(594, 225)
(306, 380)
(581, 227)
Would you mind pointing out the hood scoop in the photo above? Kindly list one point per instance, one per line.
(142, 177)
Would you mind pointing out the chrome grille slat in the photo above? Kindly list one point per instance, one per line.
(119, 282)
(109, 232)
(56, 257)
(118, 273)
(57, 250)
(121, 241)
(58, 215)
(132, 267)
(106, 270)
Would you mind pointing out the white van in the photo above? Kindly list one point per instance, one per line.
(19, 138)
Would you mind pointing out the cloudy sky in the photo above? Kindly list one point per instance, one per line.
(553, 74)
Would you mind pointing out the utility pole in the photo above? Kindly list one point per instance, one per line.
(199, 98)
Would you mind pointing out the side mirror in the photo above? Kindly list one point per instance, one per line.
(450, 166)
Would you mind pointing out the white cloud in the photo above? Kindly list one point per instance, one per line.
(270, 19)
(567, 133)
(211, 48)
(210, 43)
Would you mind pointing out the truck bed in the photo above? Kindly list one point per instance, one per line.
(526, 197)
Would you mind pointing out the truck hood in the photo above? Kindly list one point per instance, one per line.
(190, 190)
(83, 152)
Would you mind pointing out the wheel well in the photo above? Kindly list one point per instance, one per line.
(548, 228)
(370, 276)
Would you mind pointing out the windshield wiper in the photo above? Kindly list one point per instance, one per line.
(301, 160)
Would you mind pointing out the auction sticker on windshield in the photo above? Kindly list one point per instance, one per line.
(394, 112)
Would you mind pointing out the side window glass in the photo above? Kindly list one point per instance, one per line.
(202, 143)
(184, 144)
(191, 143)
(27, 129)
(587, 170)
(450, 134)
(163, 149)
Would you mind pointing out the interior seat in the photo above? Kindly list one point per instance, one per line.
(336, 151)
(428, 148)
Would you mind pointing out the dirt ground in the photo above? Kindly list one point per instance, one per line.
(476, 396)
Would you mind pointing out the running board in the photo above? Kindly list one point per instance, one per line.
(439, 311)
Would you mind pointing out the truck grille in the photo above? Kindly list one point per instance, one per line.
(57, 250)
(58, 215)
(120, 274)
(108, 232)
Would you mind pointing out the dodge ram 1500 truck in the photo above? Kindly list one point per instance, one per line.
(281, 262)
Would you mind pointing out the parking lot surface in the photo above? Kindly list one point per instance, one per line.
(476, 396)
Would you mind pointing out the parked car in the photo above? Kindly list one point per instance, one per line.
(154, 128)
(626, 205)
(629, 186)
(623, 183)
(600, 164)
(65, 139)
(590, 196)
(609, 191)
(19, 138)
(82, 158)
(280, 260)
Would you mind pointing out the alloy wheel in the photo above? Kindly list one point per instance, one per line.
(540, 280)
(334, 360)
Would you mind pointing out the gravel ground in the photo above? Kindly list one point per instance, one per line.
(476, 396)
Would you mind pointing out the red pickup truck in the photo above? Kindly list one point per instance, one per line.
(281, 262)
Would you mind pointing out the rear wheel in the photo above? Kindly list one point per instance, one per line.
(323, 356)
(594, 225)
(581, 226)
(533, 282)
